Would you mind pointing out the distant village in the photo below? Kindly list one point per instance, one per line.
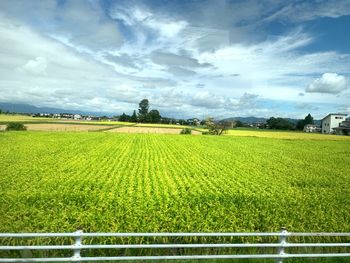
(71, 116)
(333, 123)
(80, 117)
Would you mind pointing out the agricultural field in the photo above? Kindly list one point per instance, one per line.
(153, 130)
(5, 118)
(293, 135)
(106, 182)
(160, 125)
(63, 127)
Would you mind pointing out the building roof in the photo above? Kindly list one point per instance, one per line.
(341, 114)
(342, 128)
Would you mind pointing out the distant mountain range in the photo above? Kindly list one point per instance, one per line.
(26, 108)
(246, 119)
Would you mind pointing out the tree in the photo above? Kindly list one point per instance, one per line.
(239, 124)
(143, 110)
(154, 116)
(186, 131)
(217, 128)
(124, 117)
(133, 117)
(0, 111)
(182, 122)
(15, 126)
(307, 120)
(279, 124)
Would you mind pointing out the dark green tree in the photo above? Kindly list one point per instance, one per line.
(0, 111)
(143, 110)
(133, 117)
(154, 116)
(307, 120)
(15, 126)
(124, 117)
(279, 124)
(239, 124)
(182, 122)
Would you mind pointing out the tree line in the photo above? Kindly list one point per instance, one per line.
(285, 124)
(144, 115)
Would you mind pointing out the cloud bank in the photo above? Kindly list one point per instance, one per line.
(216, 58)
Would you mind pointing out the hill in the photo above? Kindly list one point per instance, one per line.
(26, 108)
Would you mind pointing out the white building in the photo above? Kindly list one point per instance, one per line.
(312, 128)
(77, 117)
(332, 121)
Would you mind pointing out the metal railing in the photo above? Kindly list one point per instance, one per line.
(77, 247)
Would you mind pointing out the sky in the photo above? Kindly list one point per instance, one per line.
(188, 58)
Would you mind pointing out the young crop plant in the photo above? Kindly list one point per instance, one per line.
(109, 182)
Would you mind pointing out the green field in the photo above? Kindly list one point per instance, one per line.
(63, 181)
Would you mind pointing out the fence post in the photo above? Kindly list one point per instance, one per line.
(77, 245)
(282, 241)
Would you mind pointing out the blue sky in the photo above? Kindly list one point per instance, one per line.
(189, 58)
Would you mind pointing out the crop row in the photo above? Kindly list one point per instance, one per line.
(120, 182)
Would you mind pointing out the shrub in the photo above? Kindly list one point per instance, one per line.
(15, 126)
(186, 131)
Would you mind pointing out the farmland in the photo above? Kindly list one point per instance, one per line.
(63, 181)
(153, 130)
(286, 135)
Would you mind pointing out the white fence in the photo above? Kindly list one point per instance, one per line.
(280, 248)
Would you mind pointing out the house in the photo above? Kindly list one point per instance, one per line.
(66, 116)
(77, 117)
(257, 125)
(343, 129)
(194, 122)
(92, 118)
(312, 128)
(332, 121)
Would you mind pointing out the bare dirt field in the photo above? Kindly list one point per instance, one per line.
(148, 130)
(63, 127)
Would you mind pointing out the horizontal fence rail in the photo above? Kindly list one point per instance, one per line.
(279, 247)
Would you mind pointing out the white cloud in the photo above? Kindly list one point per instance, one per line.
(79, 55)
(170, 59)
(143, 19)
(328, 83)
(82, 23)
(310, 10)
(35, 66)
